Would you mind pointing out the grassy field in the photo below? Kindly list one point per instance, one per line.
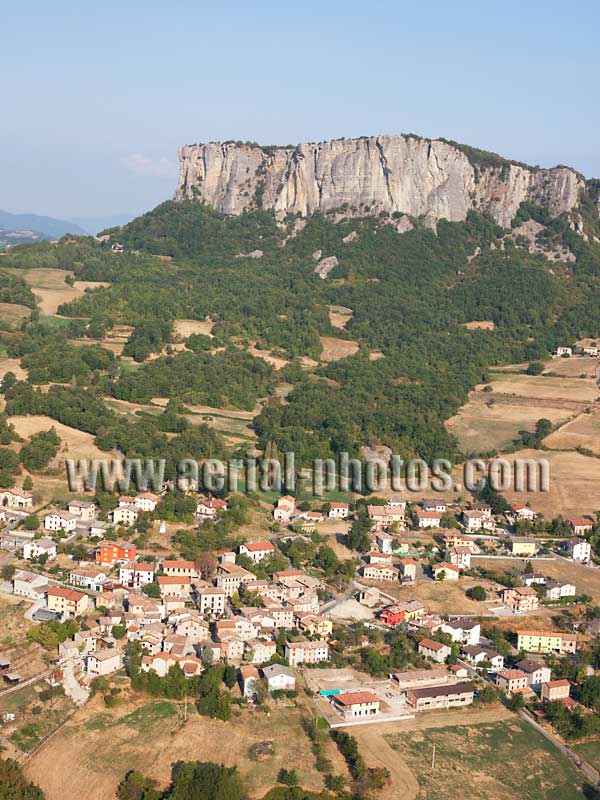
(448, 597)
(574, 484)
(507, 759)
(75, 444)
(13, 314)
(50, 288)
(583, 431)
(514, 401)
(589, 751)
(545, 387)
(151, 735)
(480, 428)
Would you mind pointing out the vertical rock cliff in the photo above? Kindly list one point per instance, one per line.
(433, 179)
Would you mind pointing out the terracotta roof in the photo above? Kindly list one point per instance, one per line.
(178, 565)
(256, 547)
(67, 594)
(511, 674)
(559, 682)
(445, 566)
(356, 698)
(431, 645)
(165, 580)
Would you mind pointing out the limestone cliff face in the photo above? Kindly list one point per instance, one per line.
(419, 177)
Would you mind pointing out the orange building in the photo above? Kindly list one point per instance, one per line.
(113, 552)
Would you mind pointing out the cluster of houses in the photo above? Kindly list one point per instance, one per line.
(193, 621)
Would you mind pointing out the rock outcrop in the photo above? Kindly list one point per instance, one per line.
(431, 179)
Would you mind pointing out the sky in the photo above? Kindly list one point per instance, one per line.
(96, 98)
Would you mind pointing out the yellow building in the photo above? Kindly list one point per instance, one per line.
(546, 642)
(316, 625)
(67, 601)
(520, 546)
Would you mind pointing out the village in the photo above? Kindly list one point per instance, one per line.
(280, 627)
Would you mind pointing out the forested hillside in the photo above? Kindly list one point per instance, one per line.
(408, 295)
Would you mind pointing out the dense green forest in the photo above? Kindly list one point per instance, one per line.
(410, 295)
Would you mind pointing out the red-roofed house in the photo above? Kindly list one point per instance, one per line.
(555, 690)
(511, 680)
(580, 526)
(392, 615)
(257, 550)
(210, 508)
(445, 571)
(339, 510)
(356, 704)
(436, 651)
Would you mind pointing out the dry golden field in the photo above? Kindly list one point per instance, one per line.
(13, 314)
(340, 316)
(334, 349)
(149, 736)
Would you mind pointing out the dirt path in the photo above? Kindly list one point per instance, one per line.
(377, 753)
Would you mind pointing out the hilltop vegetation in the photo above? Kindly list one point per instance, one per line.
(410, 295)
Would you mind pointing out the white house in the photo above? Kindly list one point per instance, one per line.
(103, 662)
(88, 578)
(524, 512)
(339, 511)
(445, 571)
(209, 509)
(39, 547)
(556, 590)
(285, 508)
(279, 678)
(579, 549)
(477, 520)
(146, 501)
(257, 550)
(563, 351)
(465, 631)
(60, 521)
(434, 504)
(356, 704)
(460, 556)
(428, 519)
(305, 652)
(16, 498)
(135, 575)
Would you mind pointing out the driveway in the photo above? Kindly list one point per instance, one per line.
(78, 694)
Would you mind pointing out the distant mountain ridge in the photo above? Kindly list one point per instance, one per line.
(431, 179)
(48, 226)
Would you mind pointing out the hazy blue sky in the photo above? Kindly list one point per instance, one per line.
(97, 98)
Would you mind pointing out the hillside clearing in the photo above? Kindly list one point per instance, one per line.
(583, 431)
(13, 314)
(334, 349)
(188, 327)
(340, 316)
